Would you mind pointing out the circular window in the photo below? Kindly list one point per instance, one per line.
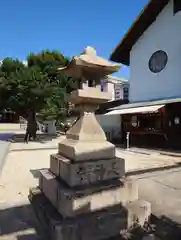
(158, 61)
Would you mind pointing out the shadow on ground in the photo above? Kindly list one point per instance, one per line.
(41, 138)
(18, 222)
(166, 228)
(6, 136)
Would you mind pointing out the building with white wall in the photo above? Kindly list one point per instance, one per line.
(152, 50)
(111, 125)
(159, 47)
(118, 87)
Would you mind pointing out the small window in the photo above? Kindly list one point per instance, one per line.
(176, 6)
(80, 85)
(126, 93)
(103, 85)
(126, 90)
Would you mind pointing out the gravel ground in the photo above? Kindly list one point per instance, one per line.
(4, 149)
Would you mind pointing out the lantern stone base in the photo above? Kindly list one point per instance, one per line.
(97, 225)
(84, 151)
(73, 201)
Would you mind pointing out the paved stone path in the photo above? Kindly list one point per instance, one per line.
(135, 162)
(156, 151)
(163, 190)
(20, 172)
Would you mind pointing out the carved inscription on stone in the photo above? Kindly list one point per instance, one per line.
(86, 173)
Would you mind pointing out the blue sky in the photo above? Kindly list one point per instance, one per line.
(69, 26)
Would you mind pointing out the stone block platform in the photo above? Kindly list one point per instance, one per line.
(72, 201)
(96, 225)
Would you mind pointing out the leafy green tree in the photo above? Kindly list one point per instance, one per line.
(24, 90)
(37, 87)
(48, 61)
(7, 67)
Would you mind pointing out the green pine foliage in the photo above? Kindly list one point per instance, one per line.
(37, 87)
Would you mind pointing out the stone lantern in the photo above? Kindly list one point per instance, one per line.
(86, 139)
(85, 195)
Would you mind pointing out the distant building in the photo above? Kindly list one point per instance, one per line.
(118, 87)
(119, 90)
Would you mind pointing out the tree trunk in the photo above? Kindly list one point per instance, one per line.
(32, 124)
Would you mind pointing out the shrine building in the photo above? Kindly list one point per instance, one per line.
(152, 50)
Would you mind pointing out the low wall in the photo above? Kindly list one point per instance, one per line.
(111, 124)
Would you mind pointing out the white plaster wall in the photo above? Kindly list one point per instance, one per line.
(109, 87)
(163, 34)
(110, 124)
